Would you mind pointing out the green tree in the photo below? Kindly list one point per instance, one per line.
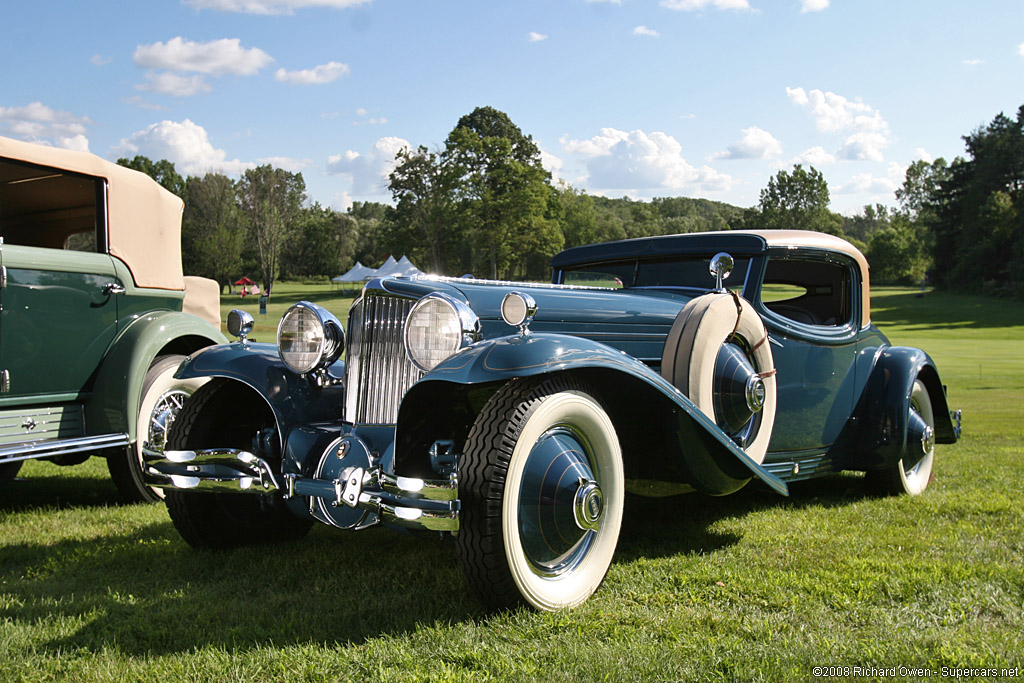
(897, 254)
(979, 225)
(425, 188)
(161, 171)
(321, 245)
(270, 199)
(797, 201)
(503, 194)
(577, 214)
(211, 233)
(916, 197)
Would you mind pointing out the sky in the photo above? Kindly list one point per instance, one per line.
(642, 98)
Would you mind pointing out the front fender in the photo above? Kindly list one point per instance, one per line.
(530, 355)
(887, 399)
(293, 399)
(114, 402)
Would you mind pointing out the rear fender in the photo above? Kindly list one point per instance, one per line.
(465, 380)
(887, 405)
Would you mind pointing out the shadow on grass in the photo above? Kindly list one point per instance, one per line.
(58, 491)
(945, 310)
(661, 527)
(147, 593)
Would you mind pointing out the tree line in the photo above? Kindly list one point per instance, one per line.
(483, 204)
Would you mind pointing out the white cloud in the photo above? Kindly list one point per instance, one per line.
(694, 5)
(552, 164)
(874, 186)
(369, 172)
(286, 163)
(535, 37)
(36, 122)
(100, 60)
(813, 5)
(642, 163)
(606, 2)
(176, 85)
(184, 144)
(270, 6)
(865, 146)
(867, 132)
(922, 154)
(755, 144)
(644, 31)
(362, 113)
(974, 62)
(1020, 49)
(216, 58)
(815, 156)
(318, 75)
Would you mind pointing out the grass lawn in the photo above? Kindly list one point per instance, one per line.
(748, 587)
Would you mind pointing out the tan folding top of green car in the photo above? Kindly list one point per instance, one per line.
(143, 219)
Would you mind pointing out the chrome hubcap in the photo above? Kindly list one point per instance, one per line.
(588, 505)
(560, 502)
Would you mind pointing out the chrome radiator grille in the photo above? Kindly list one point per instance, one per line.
(378, 373)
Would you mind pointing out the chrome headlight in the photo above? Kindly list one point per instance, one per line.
(438, 326)
(309, 337)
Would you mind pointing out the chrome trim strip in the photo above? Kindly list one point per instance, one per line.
(51, 447)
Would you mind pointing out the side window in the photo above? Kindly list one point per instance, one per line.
(46, 207)
(592, 279)
(808, 291)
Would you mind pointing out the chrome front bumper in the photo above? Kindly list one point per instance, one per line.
(431, 504)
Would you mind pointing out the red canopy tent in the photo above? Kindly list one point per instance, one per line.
(245, 281)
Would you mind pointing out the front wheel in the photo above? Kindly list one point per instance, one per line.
(225, 413)
(902, 477)
(542, 490)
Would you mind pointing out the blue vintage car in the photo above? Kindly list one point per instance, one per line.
(517, 416)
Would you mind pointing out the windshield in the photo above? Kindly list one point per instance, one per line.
(688, 271)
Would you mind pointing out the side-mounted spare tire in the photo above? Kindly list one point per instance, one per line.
(718, 354)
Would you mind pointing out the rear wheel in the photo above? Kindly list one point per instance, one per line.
(904, 477)
(542, 490)
(224, 414)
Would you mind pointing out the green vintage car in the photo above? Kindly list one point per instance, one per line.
(95, 314)
(516, 416)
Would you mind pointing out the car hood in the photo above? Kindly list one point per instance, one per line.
(635, 321)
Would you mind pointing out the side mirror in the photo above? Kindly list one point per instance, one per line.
(720, 268)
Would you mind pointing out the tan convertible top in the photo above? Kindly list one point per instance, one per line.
(818, 240)
(143, 219)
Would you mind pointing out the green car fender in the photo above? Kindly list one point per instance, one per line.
(114, 402)
(711, 458)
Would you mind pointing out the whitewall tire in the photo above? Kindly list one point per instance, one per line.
(544, 492)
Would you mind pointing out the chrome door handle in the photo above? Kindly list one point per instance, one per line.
(113, 288)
